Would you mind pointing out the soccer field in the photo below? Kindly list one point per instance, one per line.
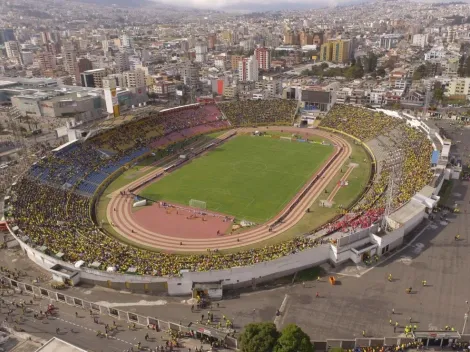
(248, 177)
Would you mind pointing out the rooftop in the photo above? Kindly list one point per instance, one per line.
(58, 345)
(95, 70)
(407, 212)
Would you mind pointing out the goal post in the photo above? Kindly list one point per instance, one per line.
(199, 204)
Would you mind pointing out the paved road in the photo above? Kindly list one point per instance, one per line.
(80, 329)
(460, 136)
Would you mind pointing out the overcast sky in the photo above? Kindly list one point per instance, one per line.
(251, 4)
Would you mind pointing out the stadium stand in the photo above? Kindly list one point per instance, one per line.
(397, 143)
(58, 218)
(261, 112)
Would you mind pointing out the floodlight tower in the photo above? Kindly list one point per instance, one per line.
(395, 167)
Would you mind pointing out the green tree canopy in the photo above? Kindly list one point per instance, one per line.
(259, 337)
(369, 62)
(293, 339)
(381, 72)
(419, 73)
(438, 91)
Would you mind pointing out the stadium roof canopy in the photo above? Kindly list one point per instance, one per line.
(407, 212)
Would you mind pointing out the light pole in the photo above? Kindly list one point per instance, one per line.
(465, 317)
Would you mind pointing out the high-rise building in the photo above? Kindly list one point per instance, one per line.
(263, 56)
(291, 37)
(326, 51)
(317, 38)
(7, 35)
(420, 40)
(184, 45)
(126, 41)
(105, 46)
(53, 48)
(49, 37)
(247, 45)
(122, 62)
(220, 60)
(13, 50)
(135, 78)
(235, 60)
(190, 75)
(390, 41)
(116, 80)
(341, 51)
(335, 51)
(70, 61)
(201, 52)
(45, 60)
(84, 65)
(45, 36)
(93, 78)
(248, 69)
(305, 38)
(109, 44)
(27, 58)
(211, 41)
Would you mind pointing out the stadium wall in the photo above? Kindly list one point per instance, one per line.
(237, 277)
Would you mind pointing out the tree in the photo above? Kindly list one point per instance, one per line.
(381, 72)
(355, 71)
(324, 65)
(438, 91)
(293, 339)
(259, 337)
(419, 73)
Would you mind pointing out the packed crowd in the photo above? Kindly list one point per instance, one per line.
(260, 112)
(143, 132)
(352, 222)
(359, 122)
(68, 165)
(60, 220)
(413, 174)
(109, 150)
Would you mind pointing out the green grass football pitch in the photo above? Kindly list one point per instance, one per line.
(248, 177)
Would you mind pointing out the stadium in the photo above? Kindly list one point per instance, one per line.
(230, 193)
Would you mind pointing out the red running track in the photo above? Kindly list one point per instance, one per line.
(163, 232)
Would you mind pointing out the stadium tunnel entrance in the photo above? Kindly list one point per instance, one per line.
(436, 338)
(208, 291)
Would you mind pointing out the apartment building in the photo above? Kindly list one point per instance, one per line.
(248, 69)
(135, 78)
(263, 56)
(235, 60)
(336, 51)
(93, 78)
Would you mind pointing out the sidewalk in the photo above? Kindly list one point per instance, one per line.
(164, 307)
